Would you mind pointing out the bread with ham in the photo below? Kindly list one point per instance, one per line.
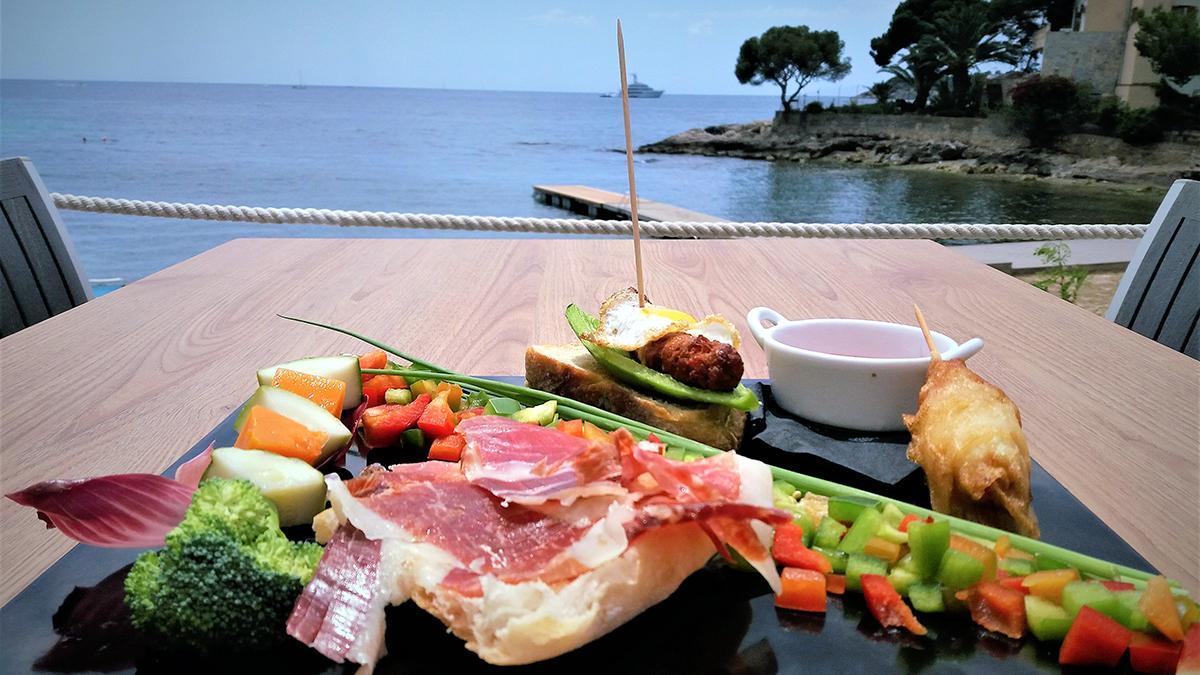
(569, 540)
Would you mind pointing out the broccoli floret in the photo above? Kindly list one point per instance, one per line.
(215, 587)
(234, 507)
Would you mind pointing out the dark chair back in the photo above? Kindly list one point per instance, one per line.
(1159, 296)
(41, 274)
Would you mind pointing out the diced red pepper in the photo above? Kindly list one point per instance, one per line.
(996, 607)
(803, 590)
(448, 448)
(376, 359)
(383, 424)
(789, 550)
(377, 386)
(438, 419)
(1148, 654)
(1094, 640)
(572, 427)
(835, 583)
(1011, 582)
(1158, 605)
(1189, 658)
(903, 526)
(469, 413)
(653, 439)
(886, 604)
(1118, 585)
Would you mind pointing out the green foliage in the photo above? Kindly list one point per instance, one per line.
(814, 107)
(1137, 126)
(1046, 107)
(882, 91)
(791, 54)
(1059, 276)
(227, 579)
(1170, 40)
(963, 37)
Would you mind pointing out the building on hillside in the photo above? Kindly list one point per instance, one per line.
(1099, 49)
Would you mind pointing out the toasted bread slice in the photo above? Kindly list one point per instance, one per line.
(569, 370)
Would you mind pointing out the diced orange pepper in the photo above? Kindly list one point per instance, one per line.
(903, 526)
(595, 433)
(448, 448)
(375, 389)
(375, 360)
(883, 549)
(438, 419)
(977, 551)
(453, 394)
(267, 430)
(835, 583)
(803, 590)
(326, 392)
(1003, 544)
(572, 427)
(1049, 584)
(1158, 605)
(469, 413)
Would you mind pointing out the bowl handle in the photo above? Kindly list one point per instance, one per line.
(755, 317)
(964, 351)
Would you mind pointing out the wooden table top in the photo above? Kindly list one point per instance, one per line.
(129, 381)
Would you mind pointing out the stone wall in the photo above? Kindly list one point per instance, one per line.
(1086, 57)
(991, 131)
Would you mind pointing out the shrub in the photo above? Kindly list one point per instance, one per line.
(1140, 126)
(1046, 107)
(814, 107)
(1109, 113)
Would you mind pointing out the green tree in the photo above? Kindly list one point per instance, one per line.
(791, 54)
(965, 36)
(882, 91)
(1171, 41)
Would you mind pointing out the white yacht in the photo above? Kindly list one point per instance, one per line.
(637, 90)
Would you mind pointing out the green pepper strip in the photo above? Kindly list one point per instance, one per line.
(604, 419)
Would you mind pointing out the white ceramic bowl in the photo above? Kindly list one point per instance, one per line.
(849, 373)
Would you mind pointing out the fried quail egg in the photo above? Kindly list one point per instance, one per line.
(625, 325)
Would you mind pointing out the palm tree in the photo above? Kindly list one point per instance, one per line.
(962, 38)
(881, 91)
(921, 70)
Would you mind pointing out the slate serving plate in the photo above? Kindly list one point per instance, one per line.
(72, 619)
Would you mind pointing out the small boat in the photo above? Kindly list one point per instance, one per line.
(636, 90)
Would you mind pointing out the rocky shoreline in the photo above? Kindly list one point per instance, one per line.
(893, 142)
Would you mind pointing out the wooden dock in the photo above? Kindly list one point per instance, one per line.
(604, 205)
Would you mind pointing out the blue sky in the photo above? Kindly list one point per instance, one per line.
(684, 47)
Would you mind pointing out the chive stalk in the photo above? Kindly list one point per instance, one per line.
(570, 408)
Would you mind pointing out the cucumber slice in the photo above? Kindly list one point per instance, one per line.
(301, 410)
(539, 414)
(344, 368)
(296, 489)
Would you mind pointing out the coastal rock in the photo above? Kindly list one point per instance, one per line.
(955, 146)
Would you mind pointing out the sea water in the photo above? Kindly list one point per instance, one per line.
(443, 151)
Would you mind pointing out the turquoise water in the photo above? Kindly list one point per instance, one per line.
(442, 151)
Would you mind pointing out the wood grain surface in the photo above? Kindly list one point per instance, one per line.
(127, 382)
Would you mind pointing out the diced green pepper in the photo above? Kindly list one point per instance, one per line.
(864, 527)
(835, 558)
(859, 564)
(889, 533)
(1018, 567)
(907, 563)
(540, 414)
(674, 453)
(504, 407)
(476, 399)
(928, 543)
(1047, 621)
(423, 387)
(397, 397)
(847, 509)
(1128, 613)
(959, 570)
(1079, 594)
(414, 438)
(926, 596)
(902, 579)
(1045, 562)
(892, 515)
(829, 533)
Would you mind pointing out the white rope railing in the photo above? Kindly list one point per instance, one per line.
(714, 230)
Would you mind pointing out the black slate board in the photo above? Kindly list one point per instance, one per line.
(720, 620)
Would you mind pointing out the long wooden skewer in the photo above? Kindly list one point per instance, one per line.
(633, 203)
(933, 350)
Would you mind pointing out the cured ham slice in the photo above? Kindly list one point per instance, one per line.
(531, 464)
(607, 531)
